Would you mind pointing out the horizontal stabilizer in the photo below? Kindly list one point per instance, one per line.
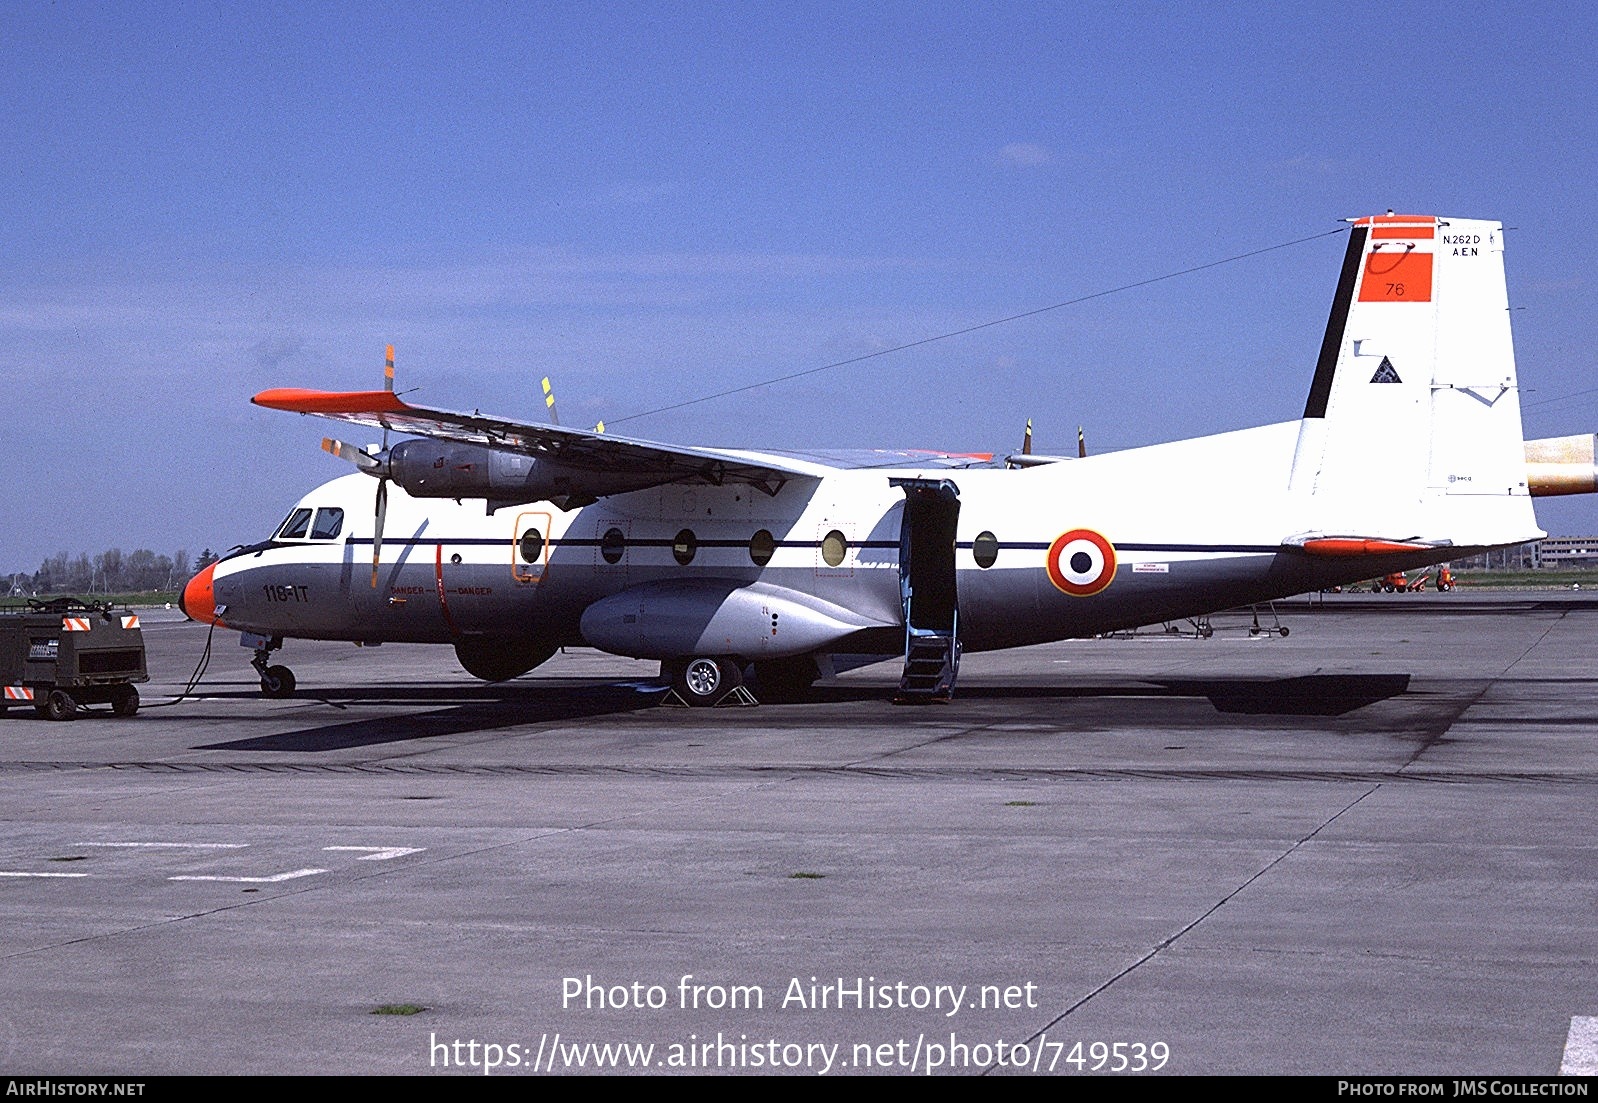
(1342, 547)
(1562, 465)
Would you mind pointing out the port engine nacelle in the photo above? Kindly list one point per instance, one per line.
(442, 469)
(753, 620)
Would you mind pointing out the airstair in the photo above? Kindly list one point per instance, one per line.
(927, 590)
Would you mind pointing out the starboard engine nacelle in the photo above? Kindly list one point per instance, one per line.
(443, 469)
(688, 617)
(500, 658)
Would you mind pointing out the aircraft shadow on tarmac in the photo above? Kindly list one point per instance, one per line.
(1309, 695)
(486, 709)
(491, 708)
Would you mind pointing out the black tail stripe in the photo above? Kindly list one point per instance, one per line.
(1321, 389)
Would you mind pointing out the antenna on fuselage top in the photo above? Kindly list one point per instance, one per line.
(549, 401)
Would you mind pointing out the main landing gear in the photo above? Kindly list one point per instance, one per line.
(276, 681)
(708, 680)
(719, 680)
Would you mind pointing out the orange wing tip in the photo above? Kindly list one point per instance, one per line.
(300, 401)
(1346, 546)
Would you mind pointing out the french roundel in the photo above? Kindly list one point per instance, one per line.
(1081, 562)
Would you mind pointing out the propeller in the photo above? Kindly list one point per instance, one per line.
(1081, 444)
(372, 465)
(380, 509)
(1026, 441)
(375, 466)
(549, 400)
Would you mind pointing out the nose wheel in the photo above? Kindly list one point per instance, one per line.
(276, 681)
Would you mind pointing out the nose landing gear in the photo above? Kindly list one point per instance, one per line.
(276, 681)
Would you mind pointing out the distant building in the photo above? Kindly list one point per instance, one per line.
(1552, 553)
(1567, 551)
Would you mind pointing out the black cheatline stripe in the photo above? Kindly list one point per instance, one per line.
(878, 545)
(1031, 545)
(1321, 389)
(584, 542)
(421, 541)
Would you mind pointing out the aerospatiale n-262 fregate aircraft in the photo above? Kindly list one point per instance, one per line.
(1409, 453)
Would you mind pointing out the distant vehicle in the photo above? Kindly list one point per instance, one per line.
(1400, 583)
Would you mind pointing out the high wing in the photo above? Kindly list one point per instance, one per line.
(611, 462)
(578, 465)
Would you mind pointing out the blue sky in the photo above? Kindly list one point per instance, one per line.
(652, 202)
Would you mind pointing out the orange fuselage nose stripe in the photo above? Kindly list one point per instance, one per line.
(198, 601)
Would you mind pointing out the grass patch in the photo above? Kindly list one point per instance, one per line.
(804, 875)
(399, 1009)
(1019, 803)
(130, 597)
(1551, 579)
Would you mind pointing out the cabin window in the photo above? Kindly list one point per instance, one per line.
(762, 546)
(833, 548)
(684, 547)
(613, 545)
(985, 549)
(295, 527)
(531, 547)
(329, 523)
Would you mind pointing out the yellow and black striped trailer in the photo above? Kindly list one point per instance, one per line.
(65, 653)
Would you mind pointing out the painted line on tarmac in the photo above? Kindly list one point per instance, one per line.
(380, 853)
(9, 873)
(251, 880)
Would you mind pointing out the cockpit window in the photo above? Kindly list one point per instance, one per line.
(294, 528)
(328, 524)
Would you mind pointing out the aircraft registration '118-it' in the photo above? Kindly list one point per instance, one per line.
(509, 540)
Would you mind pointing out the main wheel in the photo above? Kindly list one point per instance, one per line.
(59, 705)
(278, 681)
(704, 681)
(124, 701)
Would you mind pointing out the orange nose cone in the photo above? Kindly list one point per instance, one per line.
(197, 601)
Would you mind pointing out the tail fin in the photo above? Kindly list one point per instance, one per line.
(1412, 429)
